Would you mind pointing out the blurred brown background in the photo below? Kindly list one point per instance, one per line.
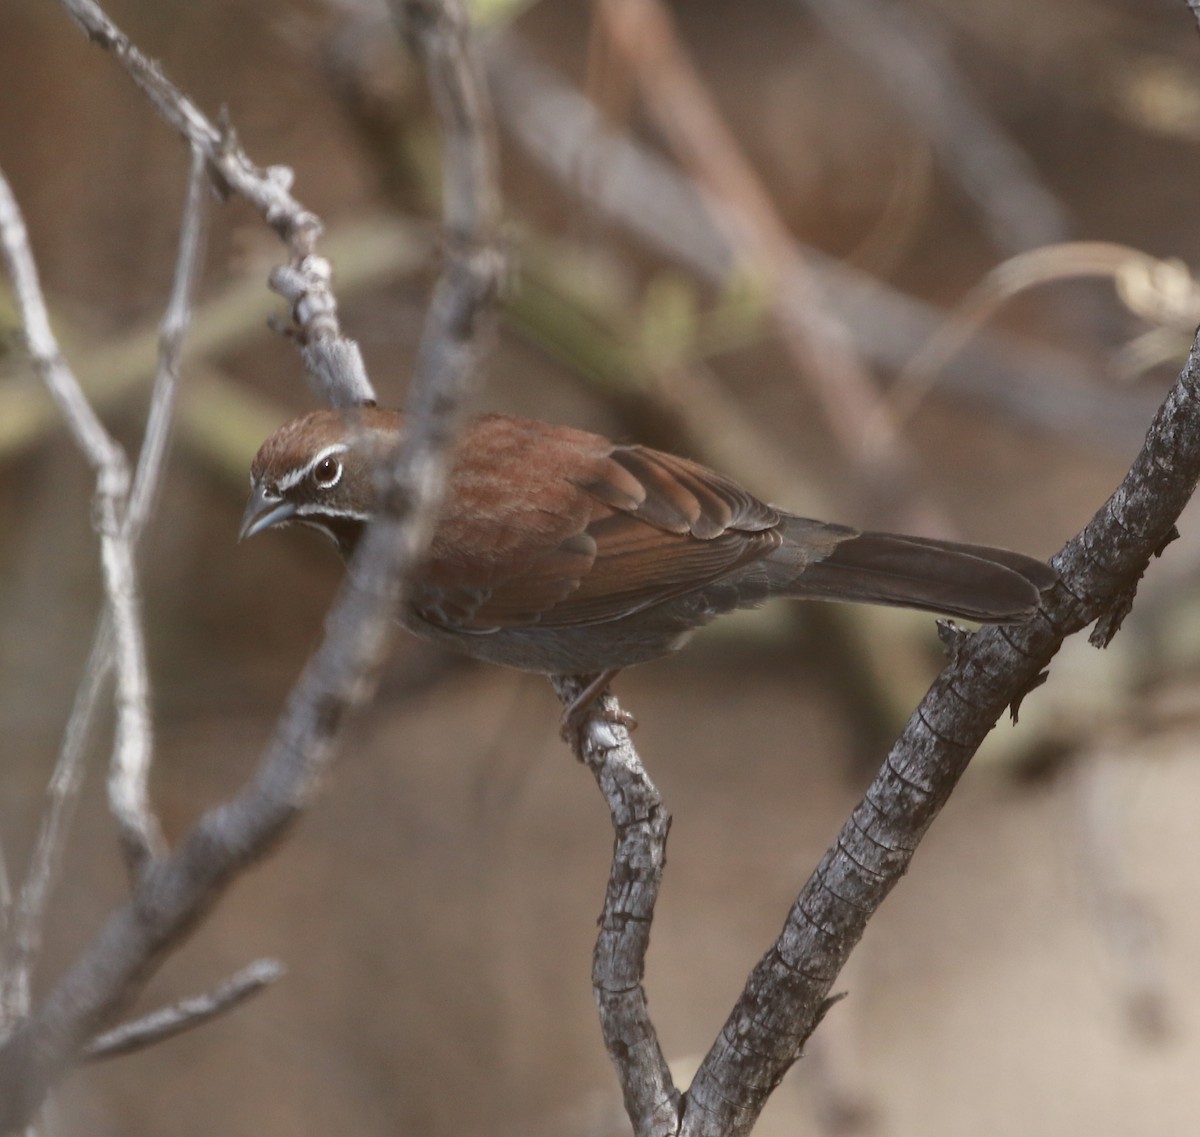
(1035, 974)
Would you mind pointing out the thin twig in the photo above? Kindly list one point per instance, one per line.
(101, 451)
(175, 324)
(44, 864)
(267, 190)
(63, 790)
(186, 1014)
(640, 822)
(306, 282)
(130, 767)
(644, 32)
(132, 748)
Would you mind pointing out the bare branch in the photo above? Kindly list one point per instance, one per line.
(268, 190)
(640, 822)
(175, 891)
(167, 1022)
(25, 937)
(175, 324)
(132, 748)
(306, 281)
(101, 452)
(68, 774)
(787, 992)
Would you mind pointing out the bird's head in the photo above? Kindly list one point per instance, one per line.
(319, 470)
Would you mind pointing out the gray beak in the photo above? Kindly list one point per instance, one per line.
(264, 510)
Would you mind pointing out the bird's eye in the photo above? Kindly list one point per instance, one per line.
(327, 472)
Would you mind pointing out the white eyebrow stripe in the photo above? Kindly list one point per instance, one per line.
(295, 476)
(316, 509)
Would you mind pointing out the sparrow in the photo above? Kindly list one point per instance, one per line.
(559, 551)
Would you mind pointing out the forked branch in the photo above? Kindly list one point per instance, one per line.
(175, 890)
(788, 992)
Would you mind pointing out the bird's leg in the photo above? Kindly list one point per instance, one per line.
(576, 713)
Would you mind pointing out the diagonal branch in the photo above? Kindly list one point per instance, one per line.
(787, 992)
(23, 939)
(175, 323)
(167, 1022)
(132, 745)
(267, 190)
(334, 362)
(817, 338)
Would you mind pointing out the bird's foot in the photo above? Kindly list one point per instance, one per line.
(576, 714)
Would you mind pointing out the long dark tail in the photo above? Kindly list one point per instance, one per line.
(832, 562)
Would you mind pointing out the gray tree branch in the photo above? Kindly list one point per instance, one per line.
(787, 992)
(186, 1014)
(641, 823)
(334, 362)
(173, 893)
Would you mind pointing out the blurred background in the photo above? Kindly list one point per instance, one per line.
(911, 264)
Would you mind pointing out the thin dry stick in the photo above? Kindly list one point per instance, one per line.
(335, 363)
(132, 747)
(25, 940)
(187, 1014)
(267, 190)
(130, 768)
(823, 348)
(174, 327)
(638, 190)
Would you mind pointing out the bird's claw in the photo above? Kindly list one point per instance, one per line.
(575, 720)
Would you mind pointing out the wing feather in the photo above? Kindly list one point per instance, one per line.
(615, 530)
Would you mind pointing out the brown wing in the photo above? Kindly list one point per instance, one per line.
(590, 532)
